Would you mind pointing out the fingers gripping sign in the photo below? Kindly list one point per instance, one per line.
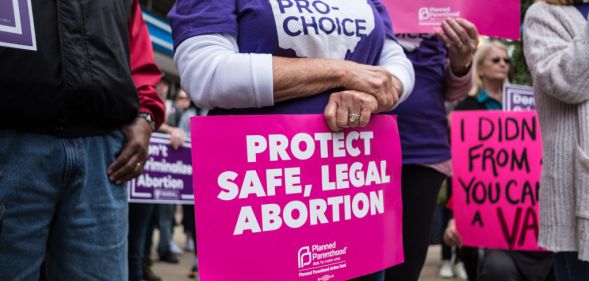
(461, 38)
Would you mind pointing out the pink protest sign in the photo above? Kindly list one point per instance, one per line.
(280, 197)
(492, 18)
(497, 161)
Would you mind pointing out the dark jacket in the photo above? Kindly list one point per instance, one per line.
(469, 103)
(78, 82)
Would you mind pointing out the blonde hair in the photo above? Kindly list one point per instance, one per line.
(477, 62)
(564, 2)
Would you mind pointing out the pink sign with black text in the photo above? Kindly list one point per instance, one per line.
(492, 18)
(280, 197)
(497, 162)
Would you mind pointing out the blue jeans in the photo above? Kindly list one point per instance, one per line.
(60, 206)
(139, 218)
(568, 267)
(166, 224)
(151, 226)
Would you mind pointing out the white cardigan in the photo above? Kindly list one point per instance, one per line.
(556, 46)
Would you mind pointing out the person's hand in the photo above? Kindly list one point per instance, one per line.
(461, 38)
(451, 236)
(373, 80)
(129, 164)
(177, 137)
(349, 109)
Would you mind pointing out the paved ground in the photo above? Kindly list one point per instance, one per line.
(178, 272)
(432, 266)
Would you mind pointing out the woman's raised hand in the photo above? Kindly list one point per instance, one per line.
(461, 38)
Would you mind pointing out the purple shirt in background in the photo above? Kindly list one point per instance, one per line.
(353, 30)
(422, 120)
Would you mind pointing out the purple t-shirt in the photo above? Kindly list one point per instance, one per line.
(423, 125)
(353, 30)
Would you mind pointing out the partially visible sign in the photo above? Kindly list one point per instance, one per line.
(517, 98)
(497, 162)
(167, 176)
(426, 16)
(17, 27)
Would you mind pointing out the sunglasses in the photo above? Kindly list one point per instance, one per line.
(498, 60)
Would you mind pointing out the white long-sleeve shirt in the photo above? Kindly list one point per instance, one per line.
(215, 74)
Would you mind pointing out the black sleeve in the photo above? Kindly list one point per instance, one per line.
(469, 103)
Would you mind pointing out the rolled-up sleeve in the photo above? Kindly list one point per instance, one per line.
(394, 60)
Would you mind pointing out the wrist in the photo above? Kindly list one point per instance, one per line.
(148, 119)
(398, 85)
(341, 72)
(165, 128)
(461, 69)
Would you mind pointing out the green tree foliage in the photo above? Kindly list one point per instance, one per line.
(521, 74)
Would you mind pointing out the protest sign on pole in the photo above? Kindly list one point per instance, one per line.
(517, 97)
(426, 16)
(167, 175)
(497, 162)
(17, 27)
(280, 197)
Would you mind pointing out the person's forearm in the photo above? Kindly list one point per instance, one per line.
(215, 74)
(301, 77)
(457, 87)
(394, 60)
(165, 128)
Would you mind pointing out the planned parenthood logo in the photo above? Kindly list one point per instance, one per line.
(434, 16)
(321, 259)
(424, 14)
(304, 256)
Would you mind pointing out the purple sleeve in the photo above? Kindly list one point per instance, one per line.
(457, 88)
(384, 15)
(190, 18)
